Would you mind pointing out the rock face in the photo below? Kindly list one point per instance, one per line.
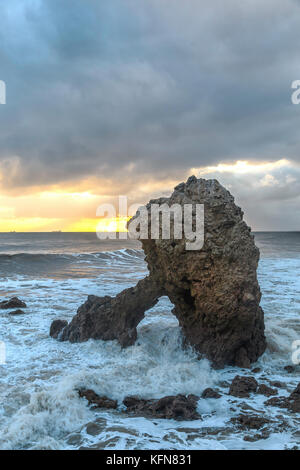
(214, 289)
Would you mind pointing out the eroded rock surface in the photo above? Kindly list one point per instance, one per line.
(214, 289)
(109, 318)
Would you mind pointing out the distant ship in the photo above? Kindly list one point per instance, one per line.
(56, 231)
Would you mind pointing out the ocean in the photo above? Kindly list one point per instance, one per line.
(39, 405)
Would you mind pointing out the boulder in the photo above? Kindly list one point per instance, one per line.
(266, 390)
(213, 288)
(179, 407)
(17, 312)
(14, 302)
(210, 393)
(56, 327)
(241, 387)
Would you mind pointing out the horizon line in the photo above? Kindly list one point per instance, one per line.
(90, 231)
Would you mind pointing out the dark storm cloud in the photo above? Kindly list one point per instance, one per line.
(123, 86)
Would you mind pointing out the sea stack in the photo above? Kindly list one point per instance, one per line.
(214, 289)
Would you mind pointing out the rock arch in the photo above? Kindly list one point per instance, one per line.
(214, 290)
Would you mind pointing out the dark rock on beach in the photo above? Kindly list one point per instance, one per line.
(257, 437)
(56, 327)
(256, 370)
(289, 369)
(97, 401)
(17, 312)
(242, 386)
(279, 402)
(179, 407)
(213, 288)
(14, 302)
(276, 384)
(292, 403)
(294, 400)
(266, 390)
(247, 421)
(210, 393)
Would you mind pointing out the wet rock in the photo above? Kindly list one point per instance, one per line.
(110, 318)
(214, 288)
(247, 407)
(267, 391)
(106, 444)
(74, 439)
(56, 327)
(279, 402)
(247, 421)
(224, 384)
(294, 400)
(242, 386)
(210, 393)
(14, 302)
(206, 431)
(289, 369)
(295, 395)
(17, 312)
(256, 370)
(292, 403)
(93, 429)
(257, 437)
(96, 400)
(296, 434)
(276, 384)
(179, 407)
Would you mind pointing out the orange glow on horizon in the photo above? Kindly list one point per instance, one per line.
(72, 206)
(115, 224)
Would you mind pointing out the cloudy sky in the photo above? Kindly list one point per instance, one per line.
(109, 97)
